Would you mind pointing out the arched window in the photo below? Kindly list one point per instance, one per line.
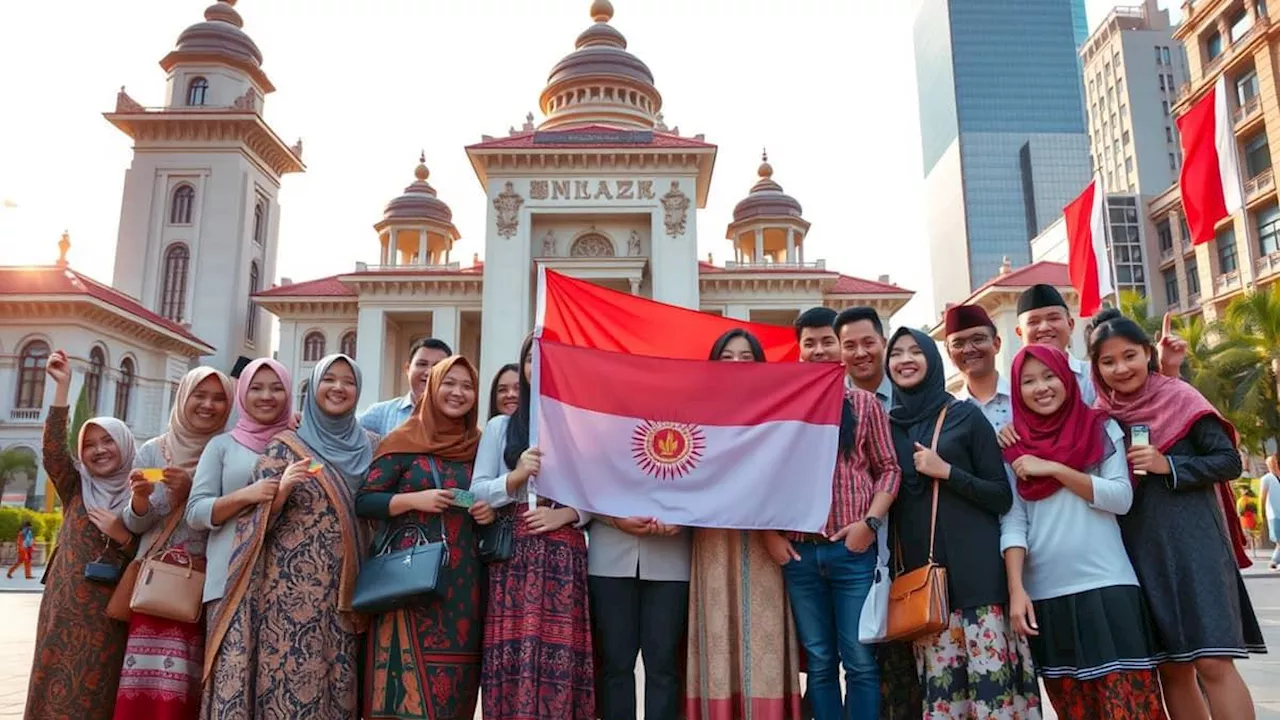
(347, 346)
(93, 378)
(313, 346)
(197, 91)
(592, 245)
(124, 389)
(31, 362)
(173, 298)
(184, 199)
(251, 320)
(259, 222)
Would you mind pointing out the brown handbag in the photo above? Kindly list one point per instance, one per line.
(167, 590)
(119, 607)
(918, 602)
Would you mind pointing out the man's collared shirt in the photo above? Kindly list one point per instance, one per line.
(998, 409)
(1084, 378)
(387, 415)
(884, 393)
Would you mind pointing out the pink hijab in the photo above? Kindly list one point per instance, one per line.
(249, 432)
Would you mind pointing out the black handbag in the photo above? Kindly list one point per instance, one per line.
(496, 541)
(395, 579)
(103, 571)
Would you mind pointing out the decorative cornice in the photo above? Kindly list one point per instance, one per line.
(318, 306)
(230, 125)
(81, 310)
(501, 162)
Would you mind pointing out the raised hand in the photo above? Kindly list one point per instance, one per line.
(1172, 350)
(59, 368)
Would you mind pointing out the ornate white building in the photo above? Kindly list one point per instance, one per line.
(600, 189)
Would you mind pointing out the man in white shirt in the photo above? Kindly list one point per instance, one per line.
(972, 343)
(388, 415)
(1045, 319)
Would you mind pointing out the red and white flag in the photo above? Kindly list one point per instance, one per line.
(576, 312)
(749, 446)
(1210, 179)
(1087, 261)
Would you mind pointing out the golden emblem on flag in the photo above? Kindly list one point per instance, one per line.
(667, 450)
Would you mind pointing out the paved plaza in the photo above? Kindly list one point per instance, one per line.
(20, 603)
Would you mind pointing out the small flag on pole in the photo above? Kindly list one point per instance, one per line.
(1088, 263)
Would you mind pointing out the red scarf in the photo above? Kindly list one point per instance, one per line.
(1169, 407)
(1073, 435)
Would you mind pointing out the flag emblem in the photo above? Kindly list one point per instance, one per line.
(667, 450)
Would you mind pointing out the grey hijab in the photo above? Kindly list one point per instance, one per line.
(337, 441)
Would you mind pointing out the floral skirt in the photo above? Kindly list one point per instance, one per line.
(162, 667)
(978, 669)
(1128, 695)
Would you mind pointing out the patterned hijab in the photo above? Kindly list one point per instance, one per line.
(430, 431)
(337, 440)
(182, 443)
(107, 492)
(249, 432)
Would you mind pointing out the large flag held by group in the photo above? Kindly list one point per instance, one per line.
(689, 442)
(576, 312)
(1210, 178)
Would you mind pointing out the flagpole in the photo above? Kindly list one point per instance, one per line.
(1111, 248)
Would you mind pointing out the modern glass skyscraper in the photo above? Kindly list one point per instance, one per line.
(1079, 22)
(1002, 131)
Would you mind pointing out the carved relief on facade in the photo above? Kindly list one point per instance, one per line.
(592, 245)
(126, 104)
(539, 189)
(633, 244)
(675, 206)
(247, 101)
(508, 203)
(548, 243)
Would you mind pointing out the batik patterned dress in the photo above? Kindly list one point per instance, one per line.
(283, 641)
(79, 649)
(424, 661)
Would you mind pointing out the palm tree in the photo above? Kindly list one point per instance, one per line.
(1250, 355)
(1137, 306)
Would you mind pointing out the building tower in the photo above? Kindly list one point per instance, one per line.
(1002, 132)
(202, 189)
(417, 227)
(767, 226)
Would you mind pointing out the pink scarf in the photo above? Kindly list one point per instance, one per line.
(249, 432)
(1169, 407)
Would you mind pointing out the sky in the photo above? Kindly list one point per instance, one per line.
(828, 86)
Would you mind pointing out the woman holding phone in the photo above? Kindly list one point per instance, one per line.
(1177, 533)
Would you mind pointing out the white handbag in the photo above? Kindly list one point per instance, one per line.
(873, 623)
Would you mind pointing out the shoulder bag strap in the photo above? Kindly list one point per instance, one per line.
(435, 481)
(933, 516)
(170, 525)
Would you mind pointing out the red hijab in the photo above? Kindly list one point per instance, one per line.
(1073, 435)
(1170, 407)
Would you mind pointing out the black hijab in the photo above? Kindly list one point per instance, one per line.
(517, 440)
(915, 409)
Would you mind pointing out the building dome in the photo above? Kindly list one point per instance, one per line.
(419, 201)
(766, 198)
(600, 82)
(220, 35)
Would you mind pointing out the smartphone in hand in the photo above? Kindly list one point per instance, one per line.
(463, 498)
(1139, 435)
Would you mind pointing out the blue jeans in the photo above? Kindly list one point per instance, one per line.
(827, 587)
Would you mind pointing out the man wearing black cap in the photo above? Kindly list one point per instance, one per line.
(972, 343)
(1045, 319)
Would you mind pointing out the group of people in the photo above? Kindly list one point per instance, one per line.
(1074, 552)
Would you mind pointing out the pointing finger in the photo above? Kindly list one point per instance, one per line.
(1166, 325)
(920, 447)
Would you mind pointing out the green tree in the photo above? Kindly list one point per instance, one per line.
(1137, 306)
(1249, 356)
(78, 418)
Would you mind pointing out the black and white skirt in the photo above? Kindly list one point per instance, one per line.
(1094, 633)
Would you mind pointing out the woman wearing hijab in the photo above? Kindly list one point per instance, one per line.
(283, 642)
(161, 674)
(743, 657)
(537, 660)
(424, 661)
(79, 649)
(1178, 533)
(978, 667)
(222, 489)
(1072, 590)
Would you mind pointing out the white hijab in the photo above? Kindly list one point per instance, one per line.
(108, 492)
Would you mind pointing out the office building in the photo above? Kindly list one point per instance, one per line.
(1002, 131)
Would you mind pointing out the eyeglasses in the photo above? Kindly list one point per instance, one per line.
(976, 341)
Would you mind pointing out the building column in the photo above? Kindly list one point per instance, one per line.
(635, 285)
(386, 251)
(444, 325)
(800, 253)
(759, 256)
(738, 312)
(791, 245)
(371, 347)
(422, 248)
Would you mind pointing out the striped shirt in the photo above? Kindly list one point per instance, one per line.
(872, 468)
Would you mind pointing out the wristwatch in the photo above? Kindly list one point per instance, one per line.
(873, 522)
